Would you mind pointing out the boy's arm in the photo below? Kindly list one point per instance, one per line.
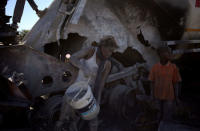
(176, 92)
(176, 81)
(152, 81)
(152, 86)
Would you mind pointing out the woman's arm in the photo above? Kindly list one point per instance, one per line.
(84, 53)
(102, 75)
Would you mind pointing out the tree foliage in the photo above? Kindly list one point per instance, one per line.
(22, 34)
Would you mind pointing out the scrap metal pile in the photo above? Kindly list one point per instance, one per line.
(47, 78)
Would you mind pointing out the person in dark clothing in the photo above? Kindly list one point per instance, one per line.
(19, 7)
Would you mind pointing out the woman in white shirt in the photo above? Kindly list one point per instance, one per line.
(94, 65)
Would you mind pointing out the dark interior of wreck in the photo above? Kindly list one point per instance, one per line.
(124, 105)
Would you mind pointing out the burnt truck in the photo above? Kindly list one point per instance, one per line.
(37, 65)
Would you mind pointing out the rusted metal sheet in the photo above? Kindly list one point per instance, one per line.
(43, 74)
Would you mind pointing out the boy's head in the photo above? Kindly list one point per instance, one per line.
(108, 45)
(164, 53)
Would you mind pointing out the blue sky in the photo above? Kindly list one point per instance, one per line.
(29, 17)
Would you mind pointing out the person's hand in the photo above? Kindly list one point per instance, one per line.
(17, 78)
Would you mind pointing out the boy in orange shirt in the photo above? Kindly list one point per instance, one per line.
(164, 77)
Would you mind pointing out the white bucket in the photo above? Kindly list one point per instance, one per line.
(80, 97)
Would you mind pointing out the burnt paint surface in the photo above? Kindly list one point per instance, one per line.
(129, 57)
(35, 66)
(72, 44)
(169, 20)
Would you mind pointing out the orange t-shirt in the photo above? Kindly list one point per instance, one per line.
(164, 77)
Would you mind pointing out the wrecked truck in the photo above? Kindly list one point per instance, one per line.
(47, 82)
